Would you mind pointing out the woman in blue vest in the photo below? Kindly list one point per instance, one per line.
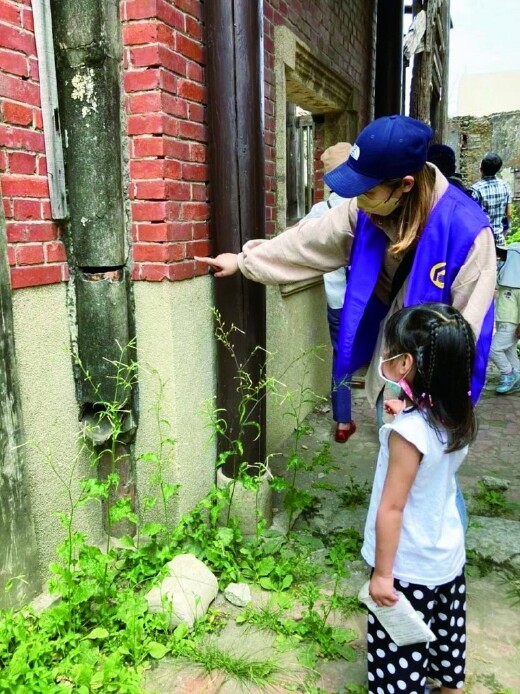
(408, 236)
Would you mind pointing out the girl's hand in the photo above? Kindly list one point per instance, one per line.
(223, 265)
(394, 406)
(381, 590)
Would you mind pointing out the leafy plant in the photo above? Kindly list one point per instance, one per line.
(493, 502)
(355, 494)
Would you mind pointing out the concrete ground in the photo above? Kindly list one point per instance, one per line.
(493, 619)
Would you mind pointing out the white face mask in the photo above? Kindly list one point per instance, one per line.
(401, 384)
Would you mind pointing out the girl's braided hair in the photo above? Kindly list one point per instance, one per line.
(443, 347)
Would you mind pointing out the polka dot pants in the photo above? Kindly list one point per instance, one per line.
(394, 669)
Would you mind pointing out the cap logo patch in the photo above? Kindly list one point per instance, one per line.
(355, 152)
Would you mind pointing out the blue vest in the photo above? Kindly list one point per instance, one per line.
(443, 247)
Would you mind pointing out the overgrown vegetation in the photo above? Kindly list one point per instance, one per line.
(491, 501)
(99, 637)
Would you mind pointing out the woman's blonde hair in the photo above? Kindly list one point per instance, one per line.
(415, 210)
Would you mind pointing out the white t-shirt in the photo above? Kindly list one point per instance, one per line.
(336, 281)
(431, 544)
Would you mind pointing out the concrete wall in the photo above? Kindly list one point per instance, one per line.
(295, 324)
(50, 415)
(175, 337)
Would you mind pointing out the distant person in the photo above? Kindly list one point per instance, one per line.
(496, 195)
(504, 346)
(335, 287)
(443, 157)
(414, 537)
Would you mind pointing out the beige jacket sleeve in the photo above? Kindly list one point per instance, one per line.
(473, 288)
(305, 251)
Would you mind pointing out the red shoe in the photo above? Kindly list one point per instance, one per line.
(343, 435)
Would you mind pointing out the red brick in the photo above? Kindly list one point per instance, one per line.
(171, 125)
(9, 14)
(21, 138)
(172, 169)
(27, 209)
(175, 106)
(16, 63)
(177, 149)
(149, 211)
(24, 232)
(152, 273)
(172, 60)
(190, 49)
(200, 248)
(181, 271)
(195, 72)
(18, 114)
(195, 172)
(18, 40)
(55, 252)
(3, 161)
(149, 147)
(151, 190)
(176, 252)
(46, 209)
(140, 33)
(28, 19)
(42, 166)
(140, 9)
(199, 192)
(142, 80)
(191, 91)
(180, 231)
(142, 125)
(196, 211)
(11, 255)
(146, 56)
(193, 7)
(33, 69)
(170, 15)
(22, 163)
(168, 81)
(152, 232)
(150, 253)
(193, 28)
(25, 186)
(200, 231)
(145, 103)
(14, 88)
(29, 254)
(196, 112)
(198, 152)
(193, 131)
(177, 190)
(35, 276)
(149, 168)
(8, 208)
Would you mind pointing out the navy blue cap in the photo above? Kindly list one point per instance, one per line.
(389, 147)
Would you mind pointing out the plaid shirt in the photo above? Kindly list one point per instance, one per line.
(495, 196)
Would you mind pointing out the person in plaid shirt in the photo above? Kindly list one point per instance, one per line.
(496, 195)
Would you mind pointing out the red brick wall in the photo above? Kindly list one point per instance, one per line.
(36, 255)
(165, 88)
(165, 104)
(343, 34)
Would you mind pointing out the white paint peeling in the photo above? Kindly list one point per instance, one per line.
(83, 90)
(84, 221)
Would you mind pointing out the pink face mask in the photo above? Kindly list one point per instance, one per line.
(402, 383)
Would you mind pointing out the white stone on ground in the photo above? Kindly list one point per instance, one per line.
(238, 594)
(186, 593)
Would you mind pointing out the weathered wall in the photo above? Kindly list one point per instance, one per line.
(472, 137)
(164, 151)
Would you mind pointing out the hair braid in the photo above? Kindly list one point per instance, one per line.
(469, 352)
(434, 328)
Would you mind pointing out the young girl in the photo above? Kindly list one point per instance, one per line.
(414, 538)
